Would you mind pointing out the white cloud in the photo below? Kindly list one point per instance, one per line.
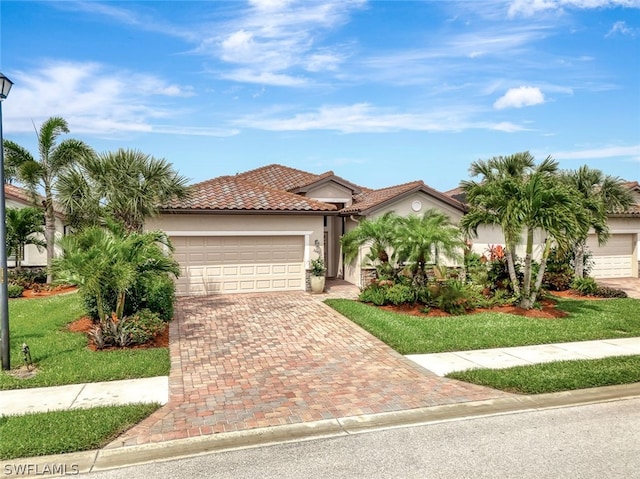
(94, 99)
(365, 118)
(273, 38)
(519, 97)
(531, 7)
(600, 153)
(621, 28)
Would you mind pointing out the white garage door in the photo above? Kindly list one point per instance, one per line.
(239, 264)
(613, 260)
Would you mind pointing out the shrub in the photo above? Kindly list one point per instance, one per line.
(400, 294)
(559, 271)
(155, 292)
(585, 286)
(14, 290)
(128, 331)
(454, 297)
(374, 293)
(425, 295)
(606, 292)
(28, 277)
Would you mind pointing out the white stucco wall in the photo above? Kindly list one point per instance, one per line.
(32, 255)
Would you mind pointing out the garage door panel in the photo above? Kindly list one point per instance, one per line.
(614, 259)
(239, 264)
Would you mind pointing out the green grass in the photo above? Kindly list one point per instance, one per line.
(40, 434)
(62, 357)
(556, 376)
(587, 320)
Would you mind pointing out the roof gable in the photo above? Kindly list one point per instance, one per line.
(371, 200)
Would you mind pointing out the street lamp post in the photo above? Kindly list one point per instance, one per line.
(5, 87)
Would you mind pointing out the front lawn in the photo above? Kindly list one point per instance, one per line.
(587, 320)
(58, 432)
(62, 357)
(556, 376)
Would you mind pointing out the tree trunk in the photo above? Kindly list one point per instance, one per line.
(543, 267)
(578, 261)
(512, 270)
(49, 231)
(526, 284)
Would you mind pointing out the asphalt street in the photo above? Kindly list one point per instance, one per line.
(592, 441)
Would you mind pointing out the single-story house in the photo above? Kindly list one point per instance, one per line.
(618, 258)
(16, 197)
(259, 230)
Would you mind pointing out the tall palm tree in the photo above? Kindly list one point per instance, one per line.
(421, 240)
(378, 234)
(598, 194)
(43, 173)
(108, 258)
(23, 227)
(127, 186)
(521, 197)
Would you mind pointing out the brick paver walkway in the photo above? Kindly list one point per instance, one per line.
(254, 360)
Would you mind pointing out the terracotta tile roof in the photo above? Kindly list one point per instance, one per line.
(23, 195)
(634, 209)
(372, 198)
(17, 193)
(281, 177)
(235, 193)
(457, 194)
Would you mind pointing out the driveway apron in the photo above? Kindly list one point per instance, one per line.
(246, 361)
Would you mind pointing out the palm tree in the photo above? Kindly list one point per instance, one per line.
(598, 194)
(23, 226)
(421, 240)
(379, 234)
(108, 258)
(522, 198)
(126, 186)
(44, 172)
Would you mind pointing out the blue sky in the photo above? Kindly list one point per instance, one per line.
(381, 93)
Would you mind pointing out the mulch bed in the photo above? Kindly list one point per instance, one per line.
(48, 291)
(85, 324)
(548, 308)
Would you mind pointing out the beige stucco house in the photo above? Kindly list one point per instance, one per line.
(618, 258)
(16, 197)
(259, 230)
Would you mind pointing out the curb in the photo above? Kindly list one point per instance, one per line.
(105, 459)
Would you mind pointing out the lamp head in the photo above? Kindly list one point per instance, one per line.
(5, 86)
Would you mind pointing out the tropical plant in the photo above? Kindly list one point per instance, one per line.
(423, 240)
(379, 234)
(23, 227)
(522, 198)
(96, 258)
(585, 286)
(127, 186)
(598, 194)
(55, 158)
(317, 267)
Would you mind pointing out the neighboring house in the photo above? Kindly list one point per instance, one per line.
(618, 258)
(16, 197)
(259, 230)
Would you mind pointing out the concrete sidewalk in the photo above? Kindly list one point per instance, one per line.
(76, 396)
(445, 363)
(156, 389)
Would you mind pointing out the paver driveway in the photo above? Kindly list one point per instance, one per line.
(255, 360)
